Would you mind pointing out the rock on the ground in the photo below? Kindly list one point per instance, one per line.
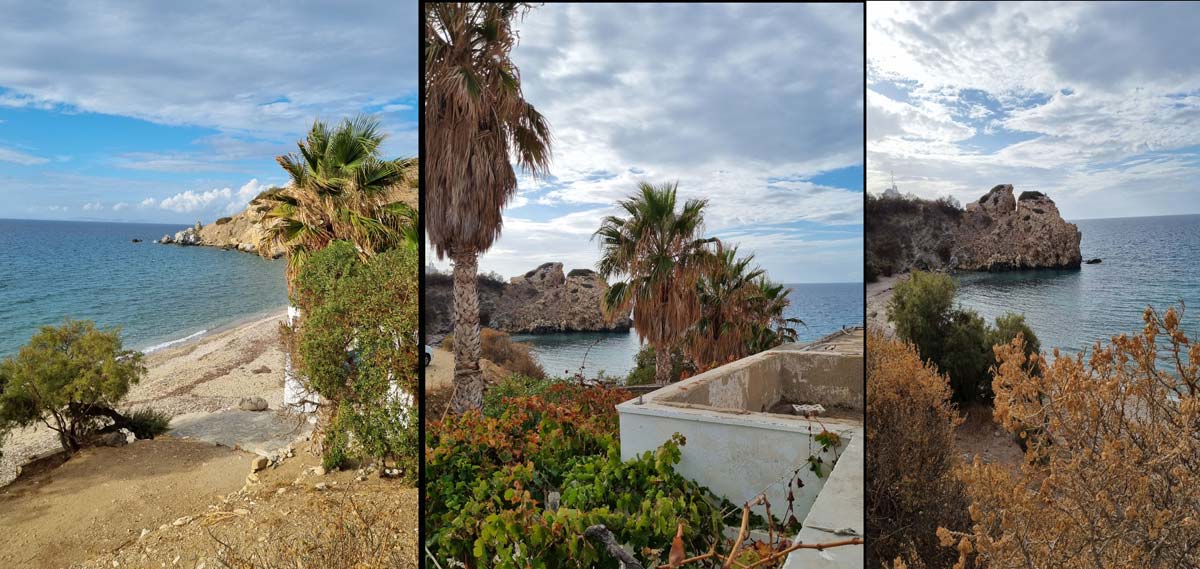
(259, 463)
(113, 439)
(252, 404)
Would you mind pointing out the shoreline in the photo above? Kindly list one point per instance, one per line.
(198, 375)
(214, 330)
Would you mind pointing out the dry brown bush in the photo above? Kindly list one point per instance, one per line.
(911, 457)
(499, 348)
(1115, 481)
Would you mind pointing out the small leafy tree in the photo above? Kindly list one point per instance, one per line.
(357, 349)
(69, 378)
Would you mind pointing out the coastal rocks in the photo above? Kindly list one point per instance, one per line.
(999, 232)
(547, 300)
(542, 300)
(252, 404)
(113, 439)
(259, 463)
(189, 236)
(1092, 262)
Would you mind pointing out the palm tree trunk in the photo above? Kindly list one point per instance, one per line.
(662, 365)
(468, 380)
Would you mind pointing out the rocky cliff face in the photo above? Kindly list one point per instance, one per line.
(545, 300)
(541, 301)
(1000, 233)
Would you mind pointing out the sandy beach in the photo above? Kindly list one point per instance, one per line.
(210, 373)
(878, 295)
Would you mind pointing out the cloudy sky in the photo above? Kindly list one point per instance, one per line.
(756, 107)
(129, 111)
(1096, 104)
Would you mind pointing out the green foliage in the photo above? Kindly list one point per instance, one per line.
(147, 423)
(1007, 327)
(489, 476)
(957, 340)
(920, 309)
(966, 356)
(67, 376)
(643, 371)
(357, 349)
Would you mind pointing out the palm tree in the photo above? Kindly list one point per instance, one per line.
(339, 189)
(656, 255)
(476, 123)
(727, 293)
(771, 325)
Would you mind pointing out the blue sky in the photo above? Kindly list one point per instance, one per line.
(757, 108)
(1095, 104)
(122, 111)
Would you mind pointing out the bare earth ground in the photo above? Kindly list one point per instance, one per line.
(978, 435)
(119, 506)
(212, 373)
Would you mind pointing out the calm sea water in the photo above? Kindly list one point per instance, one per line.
(825, 308)
(157, 293)
(1147, 261)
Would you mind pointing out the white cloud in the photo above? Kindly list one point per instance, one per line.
(222, 201)
(93, 206)
(120, 206)
(22, 158)
(228, 65)
(1075, 100)
(730, 102)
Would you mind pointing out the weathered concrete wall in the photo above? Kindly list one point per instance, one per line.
(736, 456)
(734, 446)
(839, 507)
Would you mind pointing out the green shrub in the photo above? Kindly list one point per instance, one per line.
(357, 349)
(71, 378)
(643, 370)
(957, 340)
(966, 356)
(489, 476)
(147, 423)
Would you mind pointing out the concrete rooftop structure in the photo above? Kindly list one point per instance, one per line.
(751, 429)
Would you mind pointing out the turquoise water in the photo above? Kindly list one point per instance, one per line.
(157, 293)
(825, 308)
(1146, 261)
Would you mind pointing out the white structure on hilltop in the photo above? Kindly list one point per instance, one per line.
(892, 192)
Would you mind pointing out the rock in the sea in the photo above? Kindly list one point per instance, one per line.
(135, 240)
(252, 404)
(166, 238)
(1000, 232)
(1092, 262)
(546, 300)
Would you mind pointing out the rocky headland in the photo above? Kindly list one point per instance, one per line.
(998, 232)
(543, 300)
(242, 232)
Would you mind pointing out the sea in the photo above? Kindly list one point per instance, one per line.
(158, 295)
(1145, 261)
(824, 307)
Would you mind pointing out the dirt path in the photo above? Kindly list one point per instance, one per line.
(104, 497)
(440, 373)
(980, 436)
